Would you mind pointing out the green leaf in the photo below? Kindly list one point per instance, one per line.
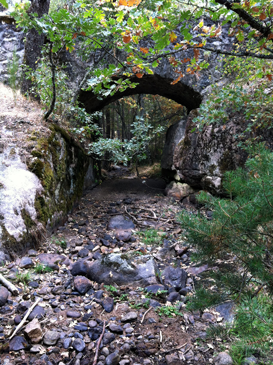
(4, 3)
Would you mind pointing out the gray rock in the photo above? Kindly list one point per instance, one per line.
(38, 312)
(129, 317)
(51, 260)
(78, 344)
(178, 190)
(116, 328)
(73, 314)
(226, 310)
(67, 342)
(174, 135)
(51, 337)
(80, 268)
(223, 358)
(119, 222)
(173, 297)
(172, 359)
(123, 269)
(174, 277)
(123, 235)
(17, 343)
(251, 360)
(33, 331)
(26, 262)
(108, 304)
(4, 294)
(105, 351)
(32, 253)
(82, 284)
(108, 338)
(154, 289)
(112, 359)
(2, 258)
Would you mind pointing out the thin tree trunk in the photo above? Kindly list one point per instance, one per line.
(33, 45)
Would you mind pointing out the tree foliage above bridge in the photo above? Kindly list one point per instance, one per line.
(112, 26)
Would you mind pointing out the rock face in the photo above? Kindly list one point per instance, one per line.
(174, 135)
(178, 190)
(36, 195)
(123, 269)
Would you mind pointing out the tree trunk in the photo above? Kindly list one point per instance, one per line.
(33, 45)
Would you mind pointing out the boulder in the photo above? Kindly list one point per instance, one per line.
(178, 190)
(123, 269)
(51, 260)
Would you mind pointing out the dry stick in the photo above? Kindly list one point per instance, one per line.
(98, 345)
(175, 348)
(9, 285)
(145, 314)
(20, 325)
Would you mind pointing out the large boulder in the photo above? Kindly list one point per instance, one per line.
(123, 269)
(202, 158)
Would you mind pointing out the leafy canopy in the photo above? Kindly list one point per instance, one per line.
(171, 27)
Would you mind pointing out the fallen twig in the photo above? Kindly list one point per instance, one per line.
(175, 348)
(9, 285)
(130, 215)
(98, 344)
(142, 320)
(20, 325)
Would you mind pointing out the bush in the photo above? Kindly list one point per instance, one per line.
(242, 225)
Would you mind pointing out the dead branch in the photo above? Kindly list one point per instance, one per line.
(20, 325)
(142, 320)
(12, 288)
(98, 345)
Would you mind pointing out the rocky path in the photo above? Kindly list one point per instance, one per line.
(114, 281)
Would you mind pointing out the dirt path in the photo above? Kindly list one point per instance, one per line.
(157, 328)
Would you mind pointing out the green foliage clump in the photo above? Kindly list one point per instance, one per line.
(23, 278)
(242, 225)
(168, 311)
(41, 269)
(150, 237)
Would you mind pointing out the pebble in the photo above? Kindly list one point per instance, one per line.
(82, 284)
(115, 328)
(78, 344)
(4, 293)
(128, 317)
(73, 314)
(67, 342)
(105, 351)
(92, 323)
(223, 358)
(112, 359)
(38, 312)
(17, 343)
(51, 337)
(26, 262)
(108, 304)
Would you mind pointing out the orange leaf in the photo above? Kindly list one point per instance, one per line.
(262, 16)
(74, 35)
(122, 2)
(67, 48)
(188, 69)
(173, 61)
(269, 76)
(133, 2)
(172, 37)
(139, 75)
(178, 79)
(139, 33)
(256, 9)
(270, 36)
(144, 50)
(127, 38)
(83, 33)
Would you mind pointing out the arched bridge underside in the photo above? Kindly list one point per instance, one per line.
(148, 84)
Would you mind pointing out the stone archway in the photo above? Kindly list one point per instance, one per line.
(148, 84)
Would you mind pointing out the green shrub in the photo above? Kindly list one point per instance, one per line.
(242, 225)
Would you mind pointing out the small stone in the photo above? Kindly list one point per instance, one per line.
(105, 351)
(92, 323)
(123, 235)
(34, 331)
(108, 338)
(26, 262)
(73, 314)
(124, 362)
(173, 297)
(112, 359)
(78, 344)
(115, 328)
(23, 306)
(37, 349)
(38, 312)
(154, 288)
(83, 253)
(82, 284)
(172, 359)
(98, 294)
(67, 343)
(131, 316)
(32, 253)
(208, 317)
(125, 348)
(129, 330)
(223, 358)
(97, 255)
(51, 337)
(17, 319)
(251, 360)
(4, 294)
(108, 304)
(33, 284)
(18, 343)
